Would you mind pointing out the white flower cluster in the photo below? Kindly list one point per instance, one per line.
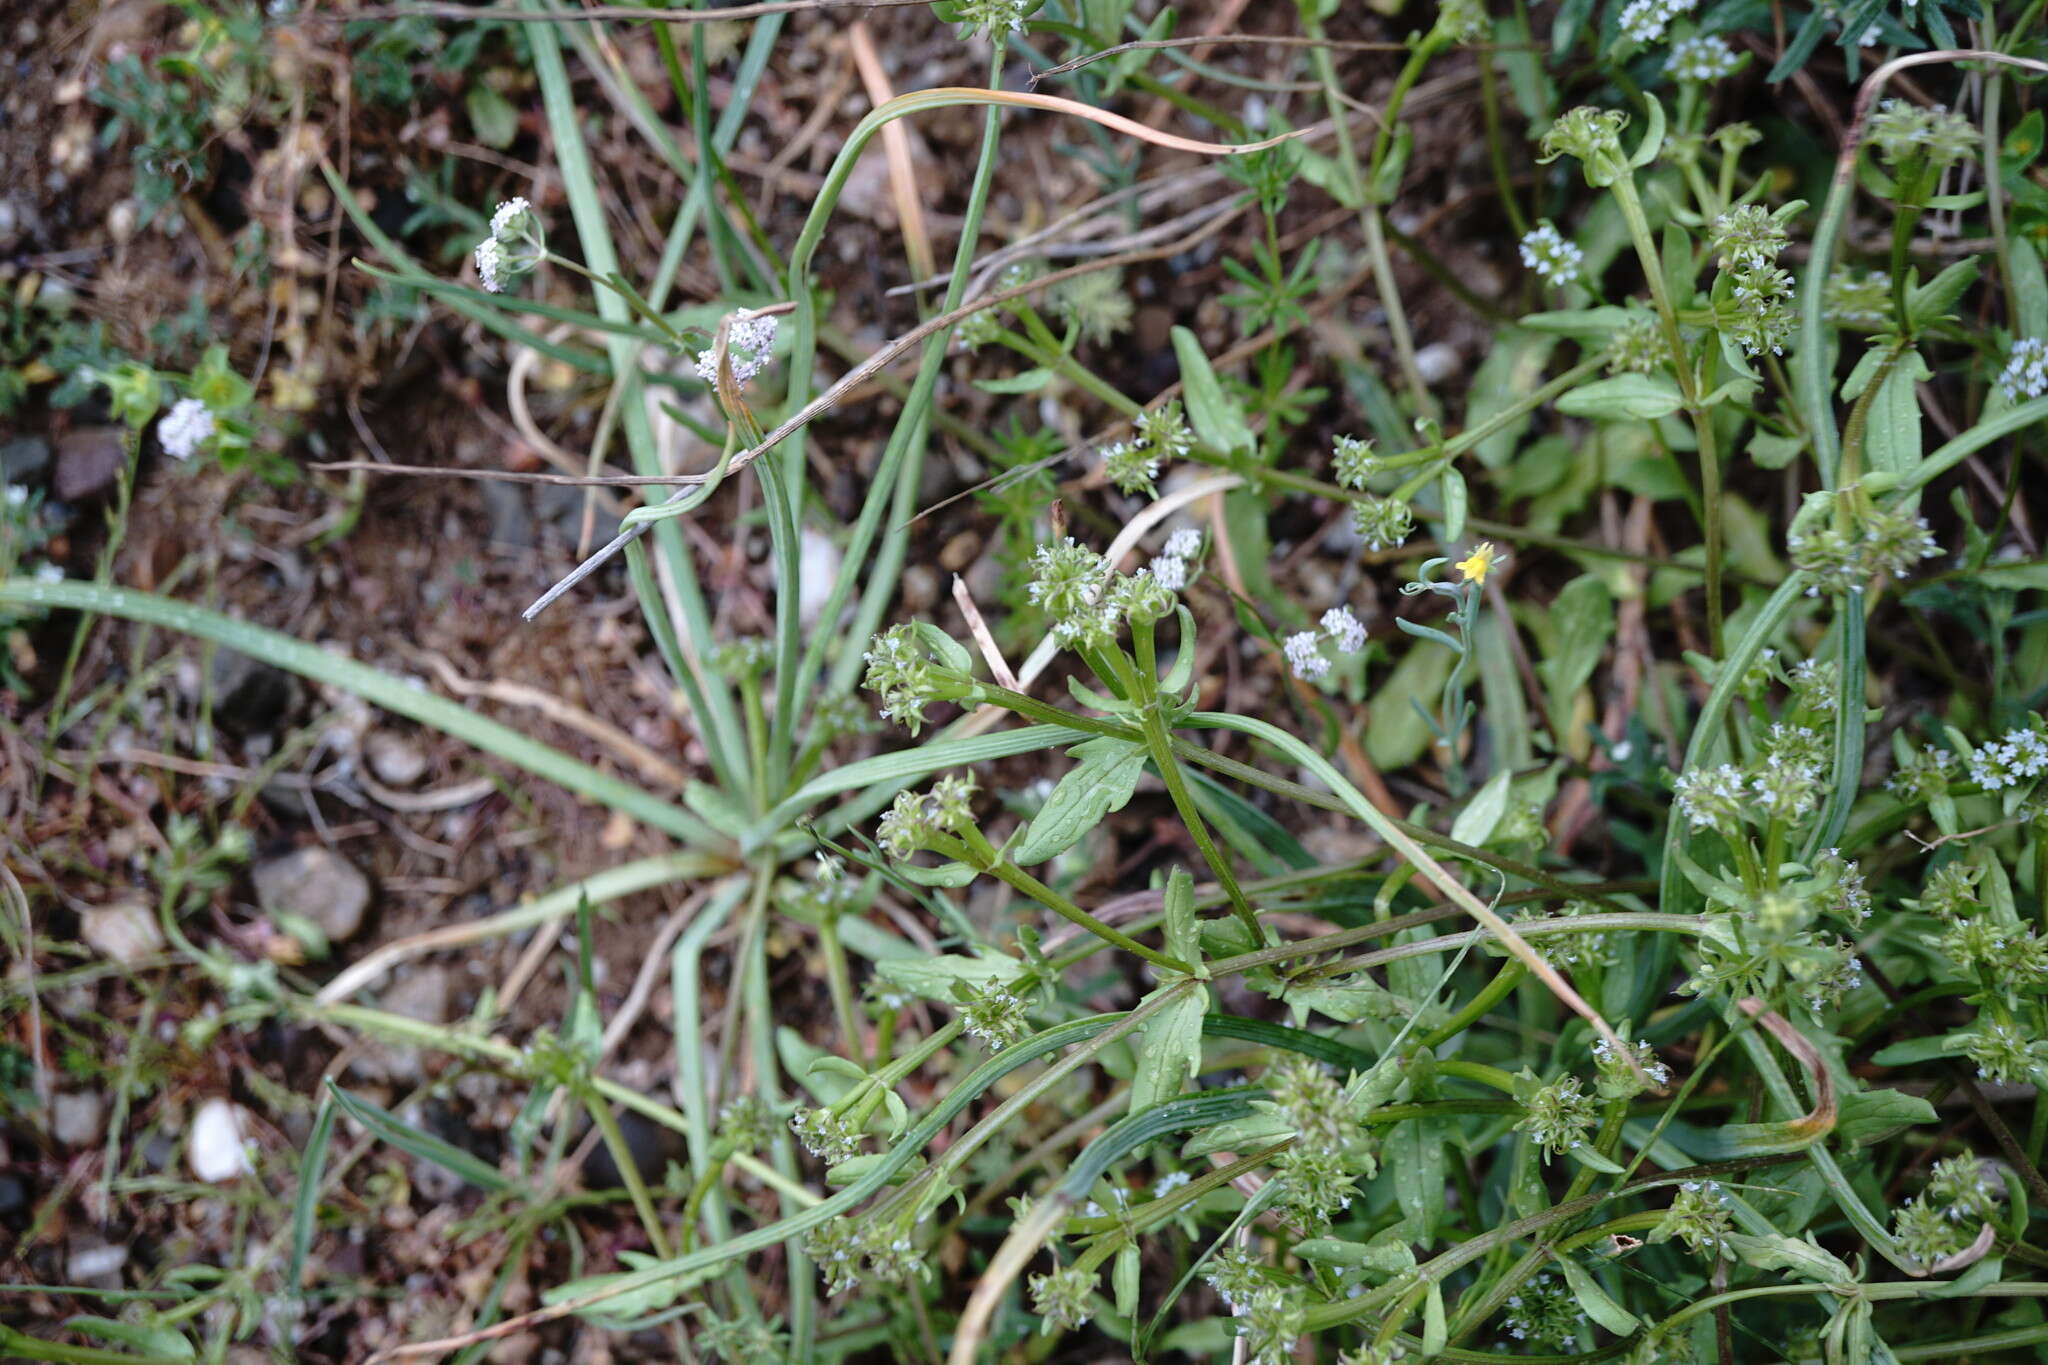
(1646, 20)
(1703, 58)
(185, 428)
(1305, 648)
(2019, 757)
(749, 342)
(512, 223)
(1545, 251)
(1170, 567)
(1720, 798)
(1168, 1183)
(2026, 370)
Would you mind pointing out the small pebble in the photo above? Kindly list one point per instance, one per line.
(216, 1146)
(318, 884)
(126, 932)
(395, 759)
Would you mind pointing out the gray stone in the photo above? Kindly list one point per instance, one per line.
(425, 996)
(318, 884)
(24, 457)
(88, 460)
(511, 518)
(78, 1118)
(126, 932)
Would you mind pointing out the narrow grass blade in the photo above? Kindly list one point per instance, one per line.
(393, 694)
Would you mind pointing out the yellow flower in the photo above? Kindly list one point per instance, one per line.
(1479, 563)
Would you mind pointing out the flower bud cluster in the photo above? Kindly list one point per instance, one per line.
(1557, 1116)
(996, 1016)
(1916, 140)
(1272, 1321)
(1382, 523)
(1319, 1170)
(1160, 434)
(1592, 137)
(1087, 601)
(2003, 1053)
(1698, 1217)
(1638, 346)
(919, 818)
(1880, 541)
(1617, 1080)
(1922, 774)
(1544, 1312)
(1353, 461)
(847, 1250)
(1722, 798)
(825, 1135)
(1758, 315)
(1961, 1195)
(902, 671)
(1060, 1297)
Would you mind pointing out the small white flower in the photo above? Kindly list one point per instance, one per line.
(49, 573)
(17, 495)
(749, 342)
(1168, 1183)
(1545, 251)
(1345, 630)
(505, 221)
(490, 258)
(187, 426)
(1185, 543)
(1305, 655)
(1705, 58)
(2026, 371)
(1170, 572)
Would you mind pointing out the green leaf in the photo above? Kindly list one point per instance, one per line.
(1102, 782)
(1171, 1050)
(1803, 1258)
(1590, 323)
(1123, 1278)
(1183, 930)
(1916, 1050)
(157, 1341)
(1217, 420)
(1590, 1156)
(1584, 615)
(1482, 814)
(1774, 452)
(1623, 398)
(1593, 1300)
(1456, 502)
(306, 1206)
(1868, 1116)
(1025, 381)
(393, 694)
(492, 116)
(2029, 285)
(425, 1146)
(933, 978)
(1931, 302)
(633, 1303)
